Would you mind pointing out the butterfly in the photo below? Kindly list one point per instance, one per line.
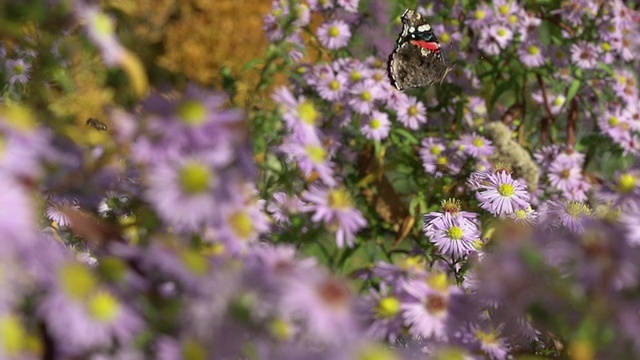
(417, 59)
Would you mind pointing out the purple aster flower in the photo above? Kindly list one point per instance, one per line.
(83, 315)
(481, 17)
(584, 55)
(18, 71)
(485, 339)
(488, 44)
(630, 219)
(545, 155)
(311, 156)
(615, 123)
(243, 220)
(283, 206)
(433, 154)
(55, 207)
(377, 127)
(333, 86)
(624, 189)
(570, 215)
(409, 267)
(302, 115)
(475, 145)
(412, 113)
(529, 26)
(381, 312)
(184, 191)
(334, 34)
(453, 234)
(320, 5)
(426, 310)
(526, 216)
(334, 207)
(531, 54)
(501, 195)
(475, 109)
(325, 304)
(564, 174)
(349, 5)
(363, 96)
(101, 30)
(501, 34)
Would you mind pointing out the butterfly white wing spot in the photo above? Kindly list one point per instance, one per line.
(423, 28)
(412, 29)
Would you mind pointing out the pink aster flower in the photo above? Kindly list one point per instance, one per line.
(363, 96)
(426, 309)
(302, 115)
(377, 127)
(570, 215)
(18, 71)
(453, 234)
(531, 54)
(243, 220)
(500, 194)
(412, 113)
(349, 5)
(333, 86)
(334, 34)
(584, 55)
(334, 207)
(501, 34)
(311, 156)
(563, 174)
(475, 145)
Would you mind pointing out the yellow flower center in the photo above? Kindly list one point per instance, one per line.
(502, 32)
(241, 224)
(366, 96)
(627, 183)
(281, 329)
(13, 335)
(356, 76)
(339, 199)
(317, 154)
(442, 160)
(334, 31)
(576, 209)
(104, 307)
(192, 112)
(614, 121)
(480, 14)
(308, 112)
(606, 47)
(375, 123)
(388, 307)
(194, 261)
(77, 280)
(504, 9)
(413, 110)
(506, 190)
(436, 150)
(192, 350)
(445, 38)
(455, 233)
(439, 282)
(487, 337)
(195, 178)
(478, 142)
(103, 25)
(534, 50)
(334, 85)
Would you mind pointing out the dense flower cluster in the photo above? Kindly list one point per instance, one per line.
(144, 216)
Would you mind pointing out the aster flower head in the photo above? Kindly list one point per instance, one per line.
(334, 34)
(83, 314)
(333, 86)
(302, 115)
(184, 191)
(18, 71)
(311, 157)
(434, 155)
(480, 17)
(624, 189)
(377, 127)
(283, 206)
(531, 54)
(454, 236)
(243, 220)
(381, 311)
(475, 145)
(570, 215)
(500, 194)
(363, 96)
(584, 55)
(101, 30)
(334, 207)
(57, 205)
(427, 307)
(501, 34)
(412, 113)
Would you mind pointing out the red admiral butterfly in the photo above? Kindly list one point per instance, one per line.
(417, 59)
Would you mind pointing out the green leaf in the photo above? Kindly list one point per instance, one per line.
(573, 89)
(250, 64)
(409, 137)
(499, 91)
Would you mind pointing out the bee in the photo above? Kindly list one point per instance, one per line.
(97, 124)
